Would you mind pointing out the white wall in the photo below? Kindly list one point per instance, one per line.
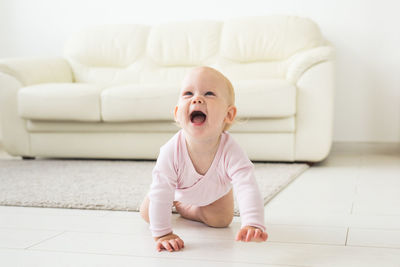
(365, 33)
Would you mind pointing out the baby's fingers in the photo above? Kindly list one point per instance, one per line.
(264, 236)
(180, 242)
(170, 245)
(250, 234)
(260, 236)
(241, 235)
(257, 234)
(174, 244)
(167, 246)
(159, 246)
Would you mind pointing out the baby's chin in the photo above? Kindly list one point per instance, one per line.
(203, 133)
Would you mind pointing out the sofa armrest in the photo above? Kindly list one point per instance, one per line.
(15, 138)
(15, 74)
(34, 71)
(314, 115)
(302, 61)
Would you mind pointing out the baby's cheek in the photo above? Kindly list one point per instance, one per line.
(179, 115)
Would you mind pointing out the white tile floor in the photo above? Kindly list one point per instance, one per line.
(344, 211)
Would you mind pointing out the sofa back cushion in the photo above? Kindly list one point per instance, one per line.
(116, 46)
(184, 44)
(267, 38)
(244, 48)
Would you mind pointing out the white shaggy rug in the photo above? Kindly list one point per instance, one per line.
(104, 184)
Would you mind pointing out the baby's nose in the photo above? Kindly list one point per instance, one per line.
(197, 101)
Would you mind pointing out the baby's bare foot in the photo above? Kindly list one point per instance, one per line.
(189, 212)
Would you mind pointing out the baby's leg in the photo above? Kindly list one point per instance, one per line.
(189, 212)
(217, 214)
(144, 209)
(220, 212)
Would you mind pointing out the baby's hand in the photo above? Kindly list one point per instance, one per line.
(170, 242)
(249, 233)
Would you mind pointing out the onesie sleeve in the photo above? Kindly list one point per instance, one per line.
(241, 170)
(162, 193)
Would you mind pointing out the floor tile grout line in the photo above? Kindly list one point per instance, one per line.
(356, 182)
(28, 229)
(343, 225)
(377, 229)
(194, 236)
(306, 225)
(44, 240)
(347, 236)
(160, 257)
(191, 259)
(72, 231)
(145, 257)
(376, 247)
(188, 236)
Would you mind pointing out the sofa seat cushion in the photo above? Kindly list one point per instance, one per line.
(149, 102)
(275, 98)
(60, 101)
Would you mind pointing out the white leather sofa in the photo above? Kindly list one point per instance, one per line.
(113, 92)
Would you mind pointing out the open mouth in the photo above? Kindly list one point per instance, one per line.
(197, 117)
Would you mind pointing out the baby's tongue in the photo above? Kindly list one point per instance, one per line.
(199, 118)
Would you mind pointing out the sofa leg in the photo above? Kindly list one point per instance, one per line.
(27, 158)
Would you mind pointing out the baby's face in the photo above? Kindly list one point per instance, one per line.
(203, 107)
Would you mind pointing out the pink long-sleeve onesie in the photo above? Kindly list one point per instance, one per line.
(175, 179)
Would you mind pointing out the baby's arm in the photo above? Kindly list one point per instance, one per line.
(161, 197)
(251, 212)
(251, 206)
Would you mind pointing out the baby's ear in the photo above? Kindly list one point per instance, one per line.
(175, 114)
(231, 115)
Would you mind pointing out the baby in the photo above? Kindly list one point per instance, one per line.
(196, 169)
